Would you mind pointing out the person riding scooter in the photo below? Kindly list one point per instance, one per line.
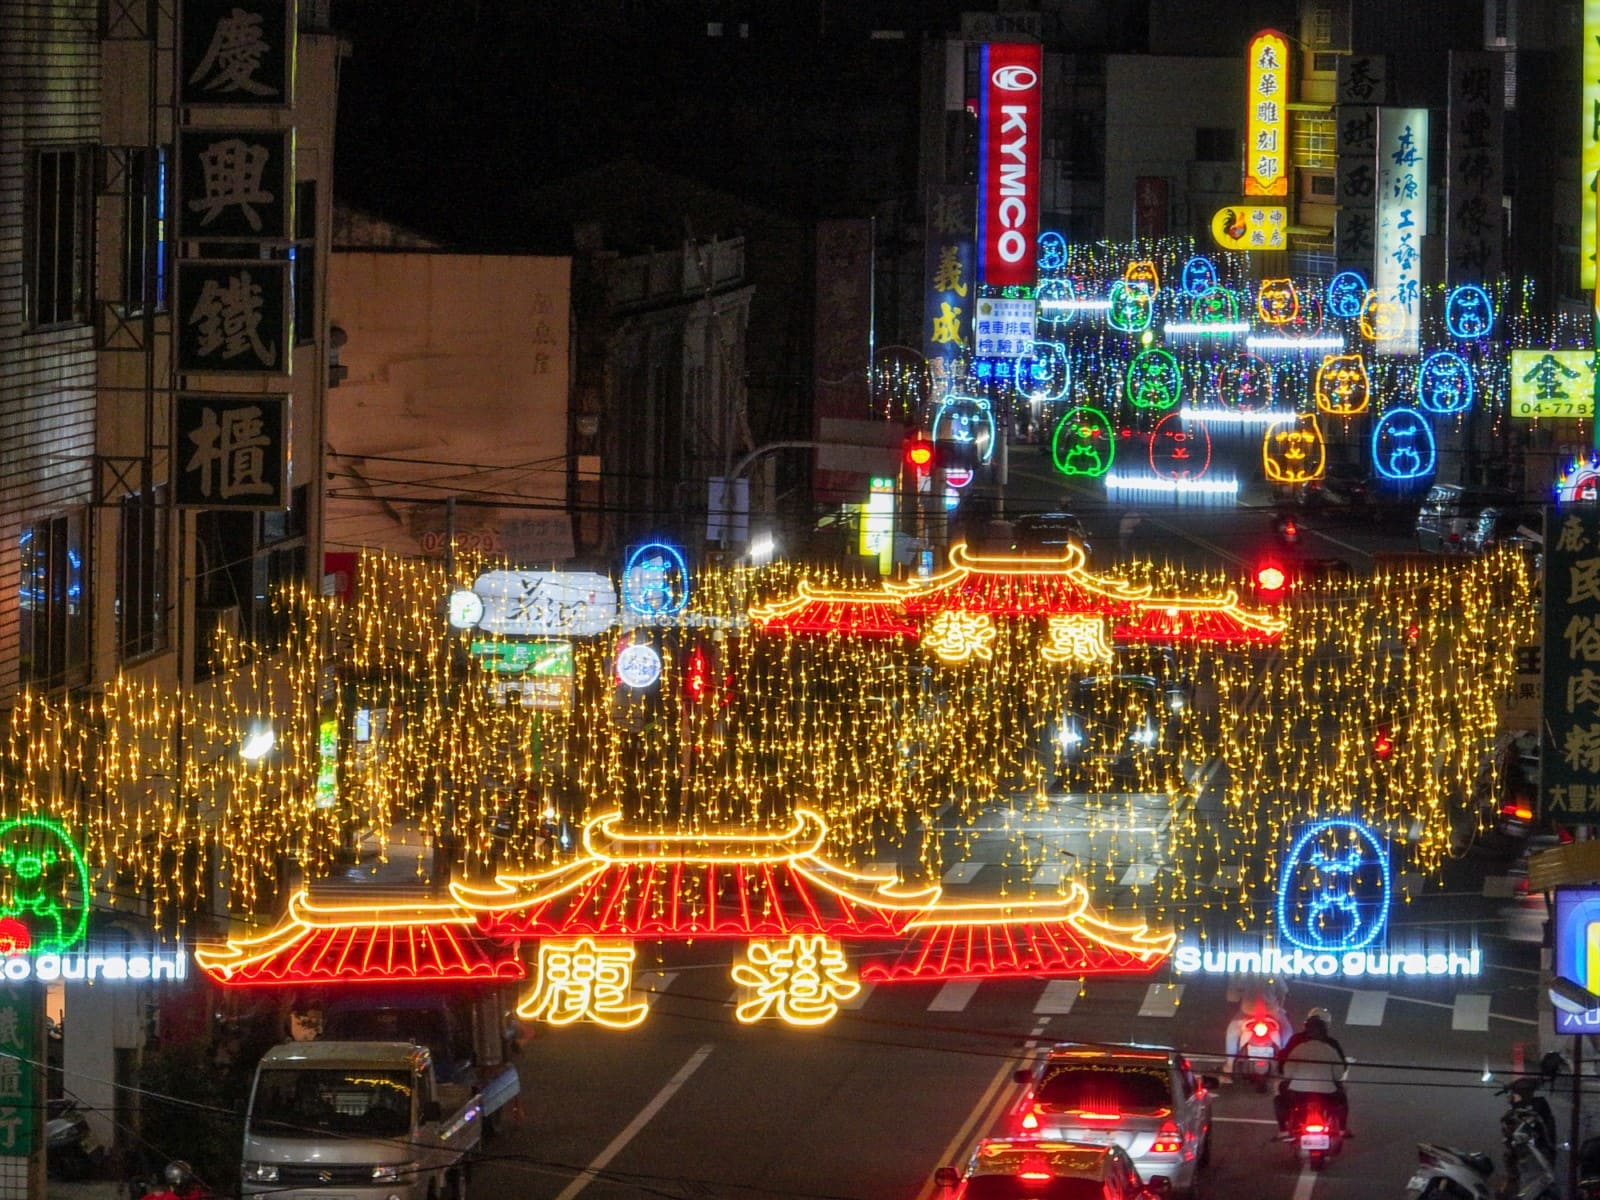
(1312, 1064)
(1260, 1022)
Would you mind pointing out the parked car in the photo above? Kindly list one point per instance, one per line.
(1026, 1169)
(1509, 525)
(1146, 1100)
(1449, 512)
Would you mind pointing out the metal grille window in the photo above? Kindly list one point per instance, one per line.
(142, 575)
(1313, 141)
(54, 602)
(144, 230)
(58, 236)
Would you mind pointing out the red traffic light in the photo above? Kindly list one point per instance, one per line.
(919, 453)
(1382, 744)
(697, 676)
(1271, 580)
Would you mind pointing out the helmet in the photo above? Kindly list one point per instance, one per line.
(178, 1173)
(1317, 1022)
(1320, 1014)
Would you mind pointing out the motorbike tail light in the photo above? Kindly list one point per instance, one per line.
(1315, 1127)
(1517, 812)
(1168, 1140)
(1261, 1028)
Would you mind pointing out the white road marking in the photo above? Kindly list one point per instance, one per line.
(1139, 874)
(1303, 1185)
(1471, 1012)
(1161, 1000)
(983, 1115)
(650, 984)
(1244, 1121)
(1058, 998)
(963, 872)
(1366, 1008)
(646, 1114)
(954, 996)
(859, 999)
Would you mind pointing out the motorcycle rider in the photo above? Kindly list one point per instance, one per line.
(1312, 1063)
(1258, 1002)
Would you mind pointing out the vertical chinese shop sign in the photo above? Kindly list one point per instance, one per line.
(1589, 141)
(19, 1023)
(1402, 223)
(1570, 761)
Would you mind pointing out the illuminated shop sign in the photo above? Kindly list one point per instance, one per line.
(156, 966)
(1552, 383)
(1004, 328)
(1589, 142)
(1010, 92)
(1577, 957)
(1266, 148)
(1402, 223)
(1268, 958)
(546, 603)
(1250, 227)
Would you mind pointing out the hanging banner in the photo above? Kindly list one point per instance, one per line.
(231, 451)
(1355, 184)
(950, 288)
(1475, 242)
(1402, 224)
(1010, 101)
(236, 53)
(1266, 144)
(1569, 760)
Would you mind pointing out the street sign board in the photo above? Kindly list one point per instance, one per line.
(1569, 761)
(546, 603)
(1552, 383)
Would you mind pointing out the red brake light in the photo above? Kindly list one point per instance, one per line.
(1520, 812)
(1261, 1028)
(1034, 1176)
(1271, 579)
(1030, 1119)
(1084, 1114)
(1168, 1140)
(1316, 1127)
(1382, 744)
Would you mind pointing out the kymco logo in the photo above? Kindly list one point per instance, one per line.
(1015, 79)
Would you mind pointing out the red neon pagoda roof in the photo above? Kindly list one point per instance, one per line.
(364, 944)
(965, 951)
(817, 610)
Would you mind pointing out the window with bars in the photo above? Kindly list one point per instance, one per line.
(142, 574)
(57, 245)
(144, 230)
(54, 602)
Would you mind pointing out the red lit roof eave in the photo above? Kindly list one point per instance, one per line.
(377, 954)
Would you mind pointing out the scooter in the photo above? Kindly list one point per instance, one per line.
(72, 1151)
(1526, 1134)
(1316, 1129)
(1259, 1040)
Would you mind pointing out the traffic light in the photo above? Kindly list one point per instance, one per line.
(1382, 744)
(1271, 580)
(697, 672)
(1287, 529)
(919, 453)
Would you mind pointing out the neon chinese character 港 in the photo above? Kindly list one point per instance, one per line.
(583, 981)
(802, 980)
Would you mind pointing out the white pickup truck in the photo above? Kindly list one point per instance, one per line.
(363, 1121)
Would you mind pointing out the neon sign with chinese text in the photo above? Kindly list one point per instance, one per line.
(1266, 145)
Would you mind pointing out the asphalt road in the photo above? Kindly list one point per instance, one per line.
(693, 1104)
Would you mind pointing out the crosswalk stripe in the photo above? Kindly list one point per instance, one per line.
(1161, 1000)
(963, 872)
(1366, 1007)
(1050, 874)
(1471, 1013)
(1499, 887)
(1058, 998)
(652, 983)
(954, 996)
(1139, 874)
(859, 999)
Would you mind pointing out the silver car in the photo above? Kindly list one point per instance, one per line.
(1145, 1099)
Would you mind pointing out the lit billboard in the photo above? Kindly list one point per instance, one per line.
(1589, 140)
(1010, 103)
(1266, 146)
(1577, 935)
(1402, 224)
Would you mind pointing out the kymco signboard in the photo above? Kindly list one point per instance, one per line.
(1010, 100)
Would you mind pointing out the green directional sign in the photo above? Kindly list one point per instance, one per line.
(548, 659)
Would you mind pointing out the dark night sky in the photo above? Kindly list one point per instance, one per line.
(450, 110)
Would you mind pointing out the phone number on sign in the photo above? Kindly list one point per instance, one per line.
(1552, 408)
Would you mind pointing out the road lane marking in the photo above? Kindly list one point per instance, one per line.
(954, 996)
(1050, 874)
(1244, 1121)
(650, 984)
(1139, 874)
(963, 872)
(1303, 1185)
(1161, 1000)
(1334, 987)
(1058, 998)
(859, 1000)
(1471, 1013)
(1366, 1008)
(983, 1115)
(646, 1115)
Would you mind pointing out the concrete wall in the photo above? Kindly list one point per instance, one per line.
(1154, 104)
(461, 360)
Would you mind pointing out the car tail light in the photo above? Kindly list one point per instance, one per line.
(1168, 1140)
(1085, 1114)
(1518, 812)
(1030, 1119)
(1034, 1176)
